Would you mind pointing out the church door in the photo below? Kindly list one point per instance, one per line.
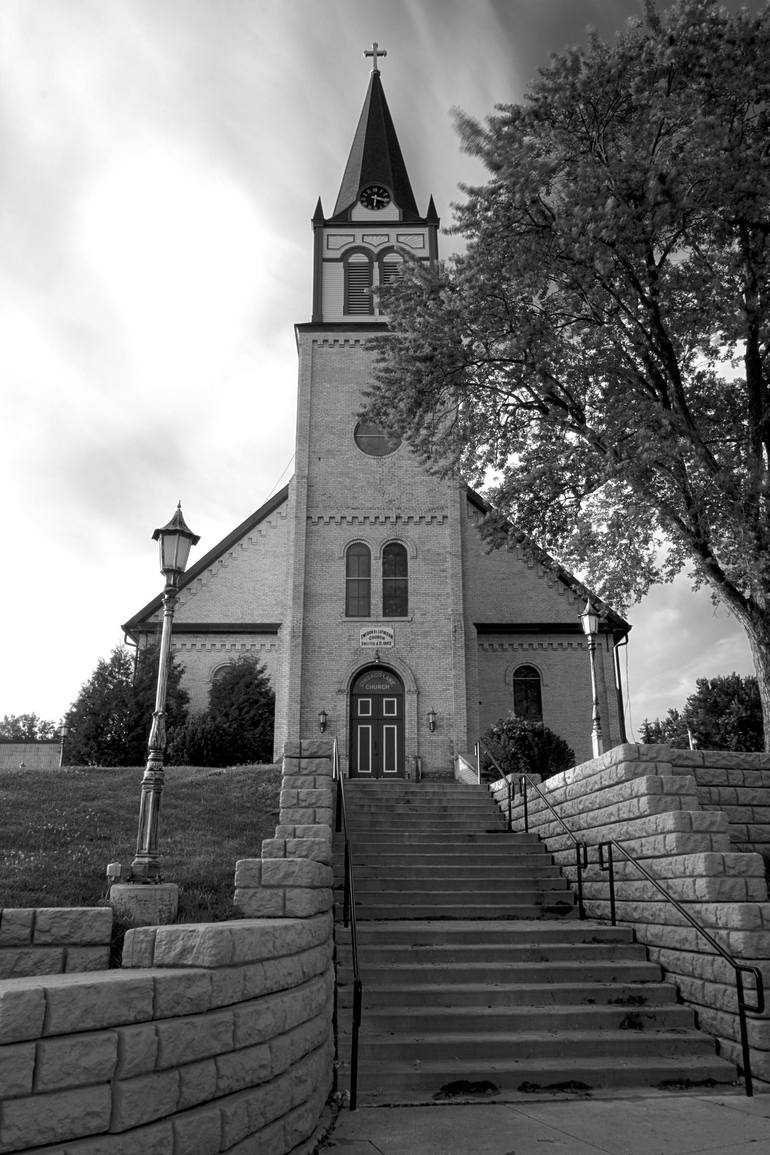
(377, 725)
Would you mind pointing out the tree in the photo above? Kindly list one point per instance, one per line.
(238, 725)
(521, 746)
(601, 346)
(670, 731)
(724, 713)
(109, 722)
(26, 728)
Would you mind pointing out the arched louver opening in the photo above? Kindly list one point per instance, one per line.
(359, 300)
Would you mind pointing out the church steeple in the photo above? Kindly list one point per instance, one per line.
(375, 224)
(375, 157)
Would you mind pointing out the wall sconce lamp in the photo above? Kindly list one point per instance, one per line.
(322, 717)
(431, 716)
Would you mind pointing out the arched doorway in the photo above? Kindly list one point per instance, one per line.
(377, 725)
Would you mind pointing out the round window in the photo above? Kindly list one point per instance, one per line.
(373, 440)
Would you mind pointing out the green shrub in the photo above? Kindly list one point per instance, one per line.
(523, 747)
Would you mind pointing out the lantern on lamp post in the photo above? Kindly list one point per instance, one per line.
(175, 541)
(589, 619)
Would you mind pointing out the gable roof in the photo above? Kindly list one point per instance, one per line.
(618, 625)
(375, 157)
(213, 555)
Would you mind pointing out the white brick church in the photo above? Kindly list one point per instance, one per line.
(364, 586)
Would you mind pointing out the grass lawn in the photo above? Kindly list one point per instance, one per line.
(60, 828)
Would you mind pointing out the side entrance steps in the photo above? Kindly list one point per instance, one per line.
(478, 977)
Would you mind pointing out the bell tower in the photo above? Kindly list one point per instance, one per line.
(375, 219)
(375, 635)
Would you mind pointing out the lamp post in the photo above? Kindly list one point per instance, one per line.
(63, 732)
(175, 540)
(589, 619)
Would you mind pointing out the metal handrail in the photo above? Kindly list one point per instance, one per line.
(581, 849)
(739, 968)
(500, 773)
(349, 919)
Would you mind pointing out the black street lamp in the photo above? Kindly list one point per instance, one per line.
(589, 619)
(175, 540)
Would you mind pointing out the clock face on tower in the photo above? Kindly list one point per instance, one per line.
(374, 196)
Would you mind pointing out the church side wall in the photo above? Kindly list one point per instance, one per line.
(501, 586)
(647, 799)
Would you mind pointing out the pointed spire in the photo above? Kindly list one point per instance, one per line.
(318, 215)
(432, 216)
(375, 156)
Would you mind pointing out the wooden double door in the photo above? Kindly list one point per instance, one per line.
(377, 725)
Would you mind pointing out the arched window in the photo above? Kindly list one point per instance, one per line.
(395, 581)
(359, 299)
(527, 695)
(391, 265)
(358, 581)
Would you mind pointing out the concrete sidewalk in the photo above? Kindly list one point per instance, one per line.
(644, 1124)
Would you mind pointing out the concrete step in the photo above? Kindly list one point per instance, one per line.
(409, 1021)
(460, 877)
(497, 956)
(543, 931)
(366, 911)
(381, 1081)
(626, 995)
(527, 973)
(395, 882)
(436, 837)
(500, 1047)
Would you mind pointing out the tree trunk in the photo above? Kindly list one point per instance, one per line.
(757, 627)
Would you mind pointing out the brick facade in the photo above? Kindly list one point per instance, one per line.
(275, 587)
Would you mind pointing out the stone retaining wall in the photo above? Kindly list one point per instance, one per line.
(645, 798)
(213, 1037)
(55, 940)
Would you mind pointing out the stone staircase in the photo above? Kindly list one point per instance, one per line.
(478, 977)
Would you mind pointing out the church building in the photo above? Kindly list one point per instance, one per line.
(364, 586)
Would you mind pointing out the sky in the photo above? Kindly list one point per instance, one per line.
(160, 161)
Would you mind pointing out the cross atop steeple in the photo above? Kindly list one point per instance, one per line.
(374, 52)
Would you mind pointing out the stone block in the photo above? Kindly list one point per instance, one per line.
(226, 986)
(139, 947)
(298, 814)
(144, 1099)
(273, 848)
(76, 1060)
(78, 959)
(302, 902)
(296, 872)
(260, 1020)
(137, 1050)
(26, 962)
(199, 1132)
(245, 1113)
(247, 1067)
(270, 1138)
(182, 992)
(199, 945)
(85, 926)
(248, 872)
(17, 1069)
(324, 815)
(320, 748)
(184, 1040)
(22, 1010)
(149, 904)
(16, 926)
(252, 902)
(197, 1083)
(154, 1139)
(83, 1002)
(57, 1117)
(319, 849)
